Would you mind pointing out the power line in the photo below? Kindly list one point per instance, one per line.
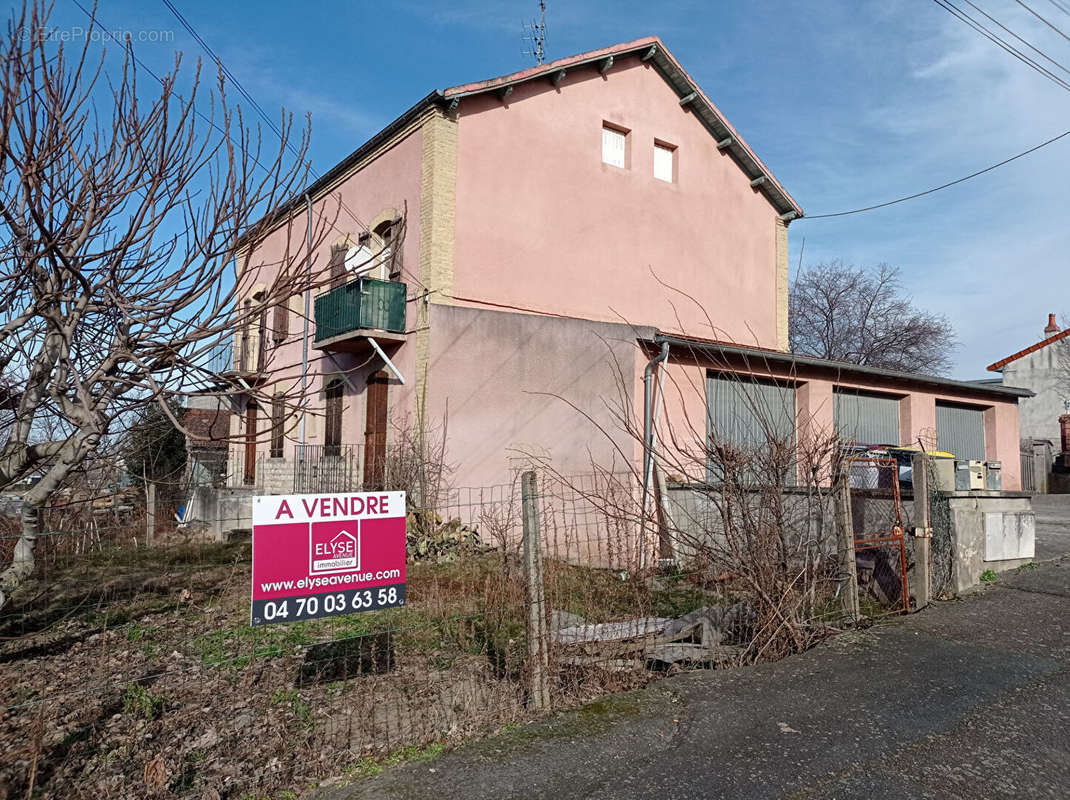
(1039, 52)
(961, 15)
(1042, 19)
(95, 17)
(950, 7)
(241, 89)
(963, 179)
(207, 48)
(1060, 5)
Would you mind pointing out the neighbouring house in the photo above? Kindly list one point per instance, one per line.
(206, 419)
(530, 248)
(1044, 418)
(1044, 369)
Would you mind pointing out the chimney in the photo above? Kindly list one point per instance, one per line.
(1052, 328)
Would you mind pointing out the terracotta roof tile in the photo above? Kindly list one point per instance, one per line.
(1031, 349)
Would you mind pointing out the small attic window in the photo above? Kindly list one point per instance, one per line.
(664, 161)
(614, 146)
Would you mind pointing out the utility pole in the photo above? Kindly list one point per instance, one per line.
(535, 32)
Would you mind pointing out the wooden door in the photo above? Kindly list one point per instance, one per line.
(250, 444)
(375, 431)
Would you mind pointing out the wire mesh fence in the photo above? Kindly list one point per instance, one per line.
(129, 668)
(881, 547)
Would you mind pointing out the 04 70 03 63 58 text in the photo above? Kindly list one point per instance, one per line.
(292, 609)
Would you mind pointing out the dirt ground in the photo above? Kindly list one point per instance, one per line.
(135, 674)
(135, 681)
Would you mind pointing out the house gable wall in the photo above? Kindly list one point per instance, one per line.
(544, 225)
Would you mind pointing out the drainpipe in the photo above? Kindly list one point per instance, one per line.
(649, 418)
(308, 312)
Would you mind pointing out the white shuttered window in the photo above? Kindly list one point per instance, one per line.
(614, 145)
(663, 162)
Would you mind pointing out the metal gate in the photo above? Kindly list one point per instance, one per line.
(326, 468)
(879, 542)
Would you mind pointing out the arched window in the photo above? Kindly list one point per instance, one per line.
(387, 257)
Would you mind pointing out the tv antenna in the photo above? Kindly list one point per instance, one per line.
(535, 32)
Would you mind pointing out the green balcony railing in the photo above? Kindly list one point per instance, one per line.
(363, 303)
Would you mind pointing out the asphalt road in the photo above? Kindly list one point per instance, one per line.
(967, 699)
(1053, 525)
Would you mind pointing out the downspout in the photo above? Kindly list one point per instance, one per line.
(648, 438)
(308, 312)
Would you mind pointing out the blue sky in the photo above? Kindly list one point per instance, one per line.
(848, 103)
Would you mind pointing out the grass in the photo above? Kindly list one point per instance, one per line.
(989, 576)
(458, 609)
(138, 701)
(292, 698)
(369, 767)
(142, 633)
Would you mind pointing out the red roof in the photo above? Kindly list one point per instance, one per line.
(1032, 349)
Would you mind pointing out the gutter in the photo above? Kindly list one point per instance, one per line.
(841, 367)
(308, 313)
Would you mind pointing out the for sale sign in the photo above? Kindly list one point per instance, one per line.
(320, 555)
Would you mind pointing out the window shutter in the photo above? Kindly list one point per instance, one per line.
(337, 266)
(750, 416)
(278, 411)
(613, 147)
(332, 430)
(280, 325)
(359, 259)
(866, 418)
(663, 163)
(961, 430)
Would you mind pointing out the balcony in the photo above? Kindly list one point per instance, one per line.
(348, 315)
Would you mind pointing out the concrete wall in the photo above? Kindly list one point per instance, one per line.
(1047, 375)
(512, 386)
(979, 544)
(543, 224)
(222, 513)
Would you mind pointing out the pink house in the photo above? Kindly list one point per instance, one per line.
(516, 259)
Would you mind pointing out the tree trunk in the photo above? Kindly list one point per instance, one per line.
(22, 563)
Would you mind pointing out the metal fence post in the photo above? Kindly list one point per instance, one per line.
(150, 512)
(538, 635)
(923, 532)
(847, 543)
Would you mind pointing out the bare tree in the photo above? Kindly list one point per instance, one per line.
(121, 211)
(863, 316)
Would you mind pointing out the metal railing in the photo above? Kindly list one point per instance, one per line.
(328, 468)
(221, 360)
(363, 303)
